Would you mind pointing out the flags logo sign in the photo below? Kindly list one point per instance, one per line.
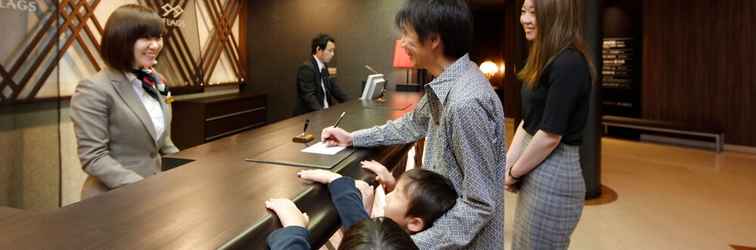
(19, 5)
(171, 14)
(174, 11)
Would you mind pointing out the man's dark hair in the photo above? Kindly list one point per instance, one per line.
(430, 194)
(451, 20)
(377, 234)
(124, 27)
(321, 41)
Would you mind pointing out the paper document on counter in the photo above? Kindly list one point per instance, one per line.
(323, 149)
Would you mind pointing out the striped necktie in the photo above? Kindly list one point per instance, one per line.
(148, 82)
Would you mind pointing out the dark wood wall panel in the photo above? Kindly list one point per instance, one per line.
(698, 65)
(516, 53)
(278, 41)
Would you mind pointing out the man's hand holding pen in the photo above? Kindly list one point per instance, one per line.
(335, 136)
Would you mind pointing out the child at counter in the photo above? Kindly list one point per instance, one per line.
(419, 197)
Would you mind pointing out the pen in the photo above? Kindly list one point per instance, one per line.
(307, 123)
(331, 138)
(339, 120)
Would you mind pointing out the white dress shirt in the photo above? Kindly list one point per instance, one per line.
(150, 104)
(321, 65)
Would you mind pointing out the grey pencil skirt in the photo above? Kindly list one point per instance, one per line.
(550, 201)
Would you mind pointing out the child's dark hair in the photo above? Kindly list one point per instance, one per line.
(430, 194)
(377, 234)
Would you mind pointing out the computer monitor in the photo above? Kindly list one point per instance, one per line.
(370, 84)
(377, 89)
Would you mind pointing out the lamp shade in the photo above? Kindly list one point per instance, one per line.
(401, 59)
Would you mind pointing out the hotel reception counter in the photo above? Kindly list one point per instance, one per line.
(216, 200)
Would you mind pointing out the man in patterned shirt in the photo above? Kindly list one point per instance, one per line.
(461, 119)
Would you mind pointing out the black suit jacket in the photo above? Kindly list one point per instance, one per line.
(309, 92)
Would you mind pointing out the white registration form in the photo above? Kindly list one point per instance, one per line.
(323, 149)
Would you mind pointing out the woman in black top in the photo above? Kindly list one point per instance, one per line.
(543, 162)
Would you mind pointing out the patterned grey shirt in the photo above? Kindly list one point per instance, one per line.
(462, 121)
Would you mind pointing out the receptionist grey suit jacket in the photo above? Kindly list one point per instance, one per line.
(117, 142)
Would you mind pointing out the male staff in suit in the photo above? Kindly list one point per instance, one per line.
(316, 90)
(121, 120)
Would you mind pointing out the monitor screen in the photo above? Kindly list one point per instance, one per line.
(377, 89)
(370, 86)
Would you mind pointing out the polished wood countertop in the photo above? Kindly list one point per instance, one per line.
(215, 201)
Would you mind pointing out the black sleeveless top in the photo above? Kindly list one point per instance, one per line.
(559, 104)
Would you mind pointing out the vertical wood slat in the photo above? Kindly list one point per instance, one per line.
(243, 39)
(698, 65)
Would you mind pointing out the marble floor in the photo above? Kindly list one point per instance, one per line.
(666, 197)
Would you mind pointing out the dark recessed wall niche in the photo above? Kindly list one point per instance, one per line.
(622, 49)
(499, 38)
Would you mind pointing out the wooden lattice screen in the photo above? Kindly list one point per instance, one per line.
(62, 24)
